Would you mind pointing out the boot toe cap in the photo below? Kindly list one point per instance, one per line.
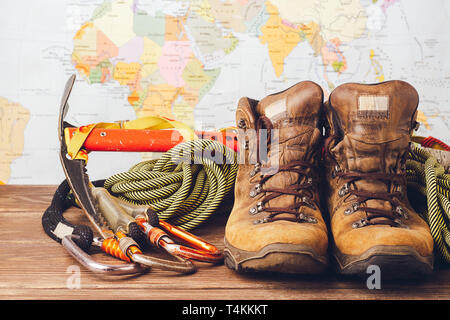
(254, 237)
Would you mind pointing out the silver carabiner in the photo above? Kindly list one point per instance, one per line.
(108, 269)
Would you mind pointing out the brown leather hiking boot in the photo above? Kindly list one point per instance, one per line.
(276, 222)
(371, 219)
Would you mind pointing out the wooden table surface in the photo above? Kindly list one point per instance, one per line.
(32, 266)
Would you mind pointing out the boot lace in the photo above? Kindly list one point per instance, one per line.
(374, 216)
(303, 190)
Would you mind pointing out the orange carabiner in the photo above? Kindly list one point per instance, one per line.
(193, 240)
(200, 251)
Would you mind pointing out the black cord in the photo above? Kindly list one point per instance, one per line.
(56, 226)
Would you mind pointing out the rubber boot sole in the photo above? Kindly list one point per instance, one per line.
(394, 262)
(277, 257)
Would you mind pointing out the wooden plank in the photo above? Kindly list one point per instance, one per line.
(32, 266)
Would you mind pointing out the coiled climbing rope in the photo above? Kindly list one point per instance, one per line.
(428, 177)
(185, 186)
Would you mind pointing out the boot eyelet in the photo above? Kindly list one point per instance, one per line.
(335, 171)
(308, 202)
(311, 220)
(354, 207)
(242, 124)
(359, 224)
(401, 212)
(259, 206)
(343, 191)
(304, 218)
(255, 170)
(260, 221)
(255, 191)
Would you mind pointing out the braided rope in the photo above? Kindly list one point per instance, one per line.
(428, 177)
(185, 186)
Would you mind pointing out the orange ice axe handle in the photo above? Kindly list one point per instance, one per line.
(136, 140)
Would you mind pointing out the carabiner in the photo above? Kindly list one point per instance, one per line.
(158, 234)
(108, 269)
(159, 237)
(131, 249)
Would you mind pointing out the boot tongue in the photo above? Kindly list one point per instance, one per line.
(293, 119)
(375, 122)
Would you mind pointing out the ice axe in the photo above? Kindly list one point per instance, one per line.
(117, 229)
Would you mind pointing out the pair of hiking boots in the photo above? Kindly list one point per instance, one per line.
(319, 176)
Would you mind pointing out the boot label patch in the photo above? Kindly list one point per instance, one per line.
(375, 107)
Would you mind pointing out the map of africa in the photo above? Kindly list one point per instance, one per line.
(191, 60)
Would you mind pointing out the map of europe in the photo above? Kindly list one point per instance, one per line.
(191, 60)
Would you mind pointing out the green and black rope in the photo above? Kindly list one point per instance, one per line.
(185, 186)
(429, 178)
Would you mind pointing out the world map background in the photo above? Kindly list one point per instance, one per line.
(192, 60)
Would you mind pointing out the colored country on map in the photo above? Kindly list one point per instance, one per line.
(13, 120)
(325, 28)
(146, 51)
(281, 38)
(153, 55)
(283, 31)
